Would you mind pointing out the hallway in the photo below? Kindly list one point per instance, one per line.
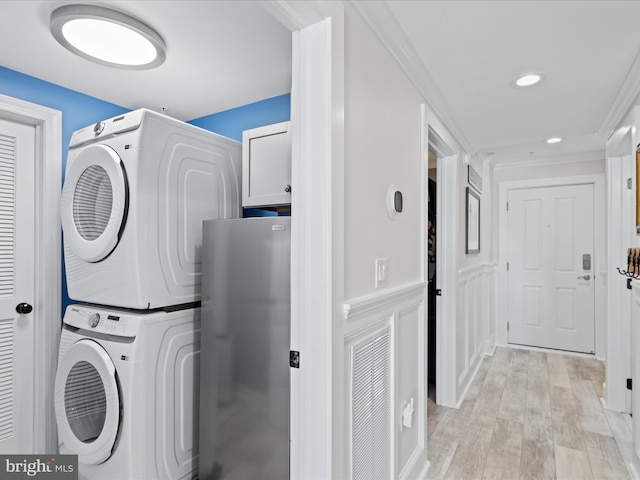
(527, 415)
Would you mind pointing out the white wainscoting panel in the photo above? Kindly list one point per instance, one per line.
(399, 315)
(474, 322)
(490, 309)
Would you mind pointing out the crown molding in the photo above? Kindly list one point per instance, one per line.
(378, 16)
(296, 15)
(579, 157)
(624, 101)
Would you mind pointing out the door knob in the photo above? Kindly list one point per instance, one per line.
(24, 308)
(585, 277)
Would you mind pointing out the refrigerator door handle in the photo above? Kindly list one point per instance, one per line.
(294, 359)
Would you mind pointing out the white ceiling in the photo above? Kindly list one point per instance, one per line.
(220, 55)
(472, 50)
(223, 54)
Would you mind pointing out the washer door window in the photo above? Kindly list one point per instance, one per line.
(94, 203)
(87, 402)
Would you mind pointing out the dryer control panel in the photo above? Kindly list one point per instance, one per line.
(110, 322)
(112, 126)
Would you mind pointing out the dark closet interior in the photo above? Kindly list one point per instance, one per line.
(432, 223)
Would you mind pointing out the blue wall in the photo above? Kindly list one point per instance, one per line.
(79, 110)
(231, 123)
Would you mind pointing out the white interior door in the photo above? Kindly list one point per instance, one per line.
(551, 287)
(17, 189)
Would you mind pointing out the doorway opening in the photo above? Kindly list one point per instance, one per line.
(440, 260)
(441, 346)
(432, 225)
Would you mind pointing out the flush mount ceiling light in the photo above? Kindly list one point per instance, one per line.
(527, 80)
(107, 37)
(553, 140)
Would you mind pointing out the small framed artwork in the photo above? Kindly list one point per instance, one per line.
(473, 222)
(474, 178)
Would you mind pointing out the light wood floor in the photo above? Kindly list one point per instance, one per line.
(528, 415)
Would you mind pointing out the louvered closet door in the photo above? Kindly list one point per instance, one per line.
(17, 332)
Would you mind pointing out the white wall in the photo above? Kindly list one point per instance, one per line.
(383, 147)
(593, 164)
(491, 259)
(476, 281)
(486, 249)
(620, 166)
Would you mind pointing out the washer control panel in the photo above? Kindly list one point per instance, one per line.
(110, 322)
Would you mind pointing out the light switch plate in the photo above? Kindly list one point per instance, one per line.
(382, 271)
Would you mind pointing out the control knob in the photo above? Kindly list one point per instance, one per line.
(93, 320)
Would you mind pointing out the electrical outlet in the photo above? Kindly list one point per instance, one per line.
(382, 271)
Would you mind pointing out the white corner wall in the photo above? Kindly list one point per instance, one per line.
(476, 283)
(346, 158)
(383, 147)
(384, 143)
(620, 166)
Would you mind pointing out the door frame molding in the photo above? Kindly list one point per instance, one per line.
(621, 234)
(48, 260)
(438, 138)
(600, 259)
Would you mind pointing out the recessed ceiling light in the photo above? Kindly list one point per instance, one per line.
(554, 140)
(527, 80)
(107, 37)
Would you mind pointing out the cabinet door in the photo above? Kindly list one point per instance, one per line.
(266, 165)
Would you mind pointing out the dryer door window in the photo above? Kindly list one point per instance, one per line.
(94, 205)
(87, 402)
(92, 202)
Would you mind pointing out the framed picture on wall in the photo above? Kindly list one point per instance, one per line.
(474, 178)
(473, 222)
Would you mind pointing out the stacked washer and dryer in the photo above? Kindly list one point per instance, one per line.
(137, 189)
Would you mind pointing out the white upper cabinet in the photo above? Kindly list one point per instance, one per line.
(266, 166)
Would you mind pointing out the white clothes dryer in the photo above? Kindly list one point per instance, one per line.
(125, 392)
(137, 188)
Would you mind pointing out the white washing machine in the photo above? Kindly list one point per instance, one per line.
(137, 188)
(126, 392)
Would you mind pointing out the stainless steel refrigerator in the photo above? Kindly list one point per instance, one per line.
(244, 349)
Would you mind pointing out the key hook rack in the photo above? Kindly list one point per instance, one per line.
(628, 274)
(633, 264)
